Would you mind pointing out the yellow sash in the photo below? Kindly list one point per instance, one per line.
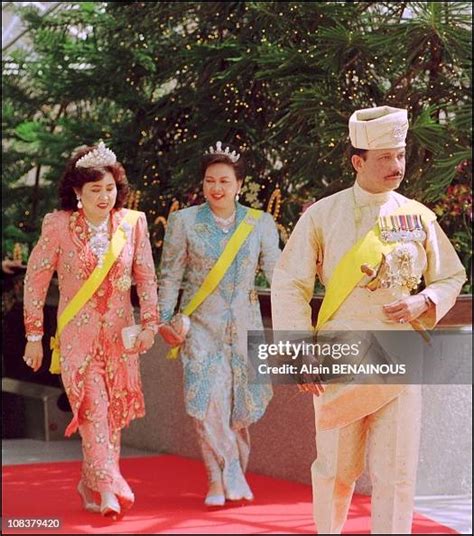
(368, 250)
(85, 293)
(221, 266)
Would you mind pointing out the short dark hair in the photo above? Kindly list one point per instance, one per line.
(355, 151)
(239, 167)
(76, 178)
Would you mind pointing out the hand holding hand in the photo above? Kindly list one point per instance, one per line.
(171, 335)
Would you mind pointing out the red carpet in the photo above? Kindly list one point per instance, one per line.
(169, 494)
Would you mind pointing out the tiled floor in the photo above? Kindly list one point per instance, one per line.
(452, 511)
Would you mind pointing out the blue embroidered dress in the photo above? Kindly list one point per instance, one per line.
(214, 354)
(192, 245)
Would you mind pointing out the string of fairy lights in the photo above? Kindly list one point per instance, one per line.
(266, 102)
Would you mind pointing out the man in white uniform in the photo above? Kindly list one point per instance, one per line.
(372, 286)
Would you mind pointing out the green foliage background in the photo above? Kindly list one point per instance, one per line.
(162, 81)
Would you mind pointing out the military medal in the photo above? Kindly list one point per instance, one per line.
(418, 231)
(402, 228)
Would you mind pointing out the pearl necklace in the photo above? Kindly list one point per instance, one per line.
(99, 240)
(225, 223)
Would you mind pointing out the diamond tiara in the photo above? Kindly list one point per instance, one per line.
(218, 150)
(99, 157)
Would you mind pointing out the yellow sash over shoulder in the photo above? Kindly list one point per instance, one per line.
(85, 293)
(221, 266)
(368, 250)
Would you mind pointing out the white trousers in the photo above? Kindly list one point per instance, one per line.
(392, 436)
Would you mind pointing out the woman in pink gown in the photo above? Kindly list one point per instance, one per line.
(101, 378)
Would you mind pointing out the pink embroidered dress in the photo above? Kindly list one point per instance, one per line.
(102, 382)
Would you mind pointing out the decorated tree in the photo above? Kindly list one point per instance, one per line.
(160, 82)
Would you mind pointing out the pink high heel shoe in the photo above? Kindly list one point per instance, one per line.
(88, 504)
(109, 505)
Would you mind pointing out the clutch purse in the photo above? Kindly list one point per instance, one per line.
(130, 334)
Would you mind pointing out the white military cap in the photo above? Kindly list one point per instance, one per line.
(382, 127)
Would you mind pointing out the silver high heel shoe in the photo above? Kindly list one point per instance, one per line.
(109, 505)
(214, 500)
(239, 494)
(236, 488)
(88, 505)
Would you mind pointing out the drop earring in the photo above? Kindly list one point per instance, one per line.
(237, 195)
(79, 202)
